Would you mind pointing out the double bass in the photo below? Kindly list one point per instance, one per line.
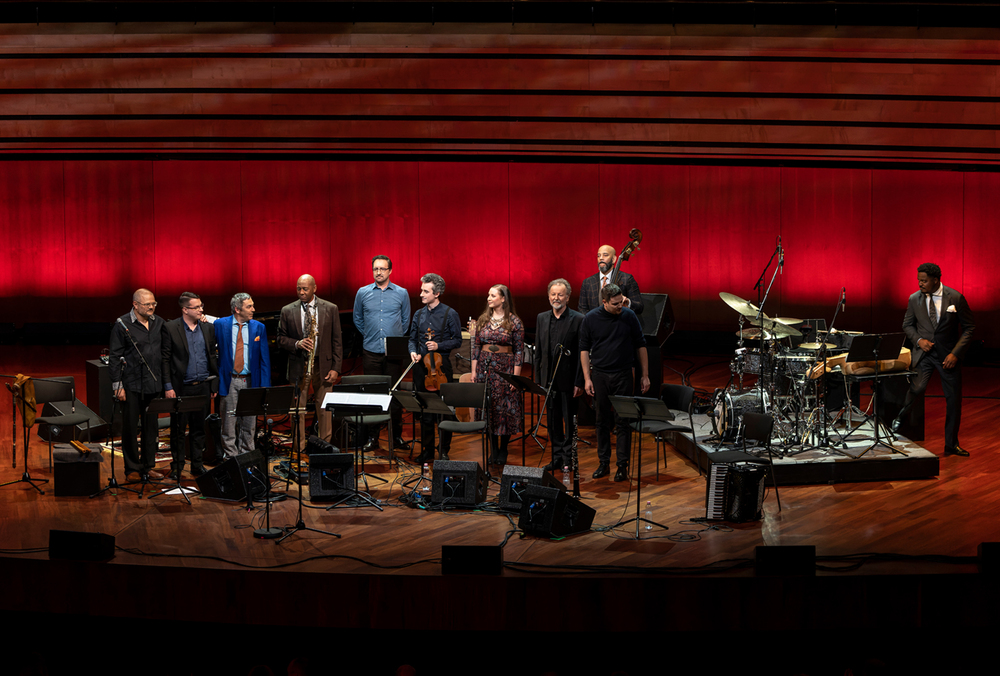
(635, 238)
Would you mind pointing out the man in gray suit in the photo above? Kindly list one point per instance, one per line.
(558, 330)
(939, 323)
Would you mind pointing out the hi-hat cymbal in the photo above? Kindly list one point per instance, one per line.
(816, 346)
(790, 321)
(744, 307)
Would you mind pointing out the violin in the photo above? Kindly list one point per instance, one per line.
(433, 366)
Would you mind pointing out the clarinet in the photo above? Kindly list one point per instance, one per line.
(576, 464)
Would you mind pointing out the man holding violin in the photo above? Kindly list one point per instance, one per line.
(434, 332)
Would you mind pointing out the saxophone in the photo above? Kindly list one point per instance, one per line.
(311, 332)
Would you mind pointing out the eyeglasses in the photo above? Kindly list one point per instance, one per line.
(194, 307)
(380, 269)
(149, 305)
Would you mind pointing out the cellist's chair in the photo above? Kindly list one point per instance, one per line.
(465, 395)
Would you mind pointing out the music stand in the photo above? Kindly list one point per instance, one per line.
(397, 349)
(176, 406)
(347, 401)
(869, 347)
(637, 408)
(419, 403)
(525, 384)
(258, 401)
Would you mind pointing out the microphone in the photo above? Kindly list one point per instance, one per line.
(564, 350)
(123, 324)
(781, 257)
(843, 299)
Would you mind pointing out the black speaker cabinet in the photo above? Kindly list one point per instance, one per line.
(552, 512)
(516, 479)
(458, 483)
(331, 476)
(229, 480)
(98, 428)
(657, 318)
(81, 546)
(99, 395)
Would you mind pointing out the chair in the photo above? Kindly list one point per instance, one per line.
(374, 385)
(59, 388)
(758, 426)
(677, 398)
(465, 395)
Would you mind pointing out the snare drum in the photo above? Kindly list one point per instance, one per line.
(729, 410)
(794, 364)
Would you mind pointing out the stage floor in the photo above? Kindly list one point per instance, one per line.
(180, 563)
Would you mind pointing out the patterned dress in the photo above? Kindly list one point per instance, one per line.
(505, 402)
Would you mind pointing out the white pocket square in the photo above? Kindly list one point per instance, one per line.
(951, 308)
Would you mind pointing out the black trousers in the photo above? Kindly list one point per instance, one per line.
(951, 385)
(428, 421)
(561, 408)
(377, 364)
(195, 421)
(132, 409)
(606, 385)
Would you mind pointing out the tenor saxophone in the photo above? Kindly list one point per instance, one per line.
(311, 332)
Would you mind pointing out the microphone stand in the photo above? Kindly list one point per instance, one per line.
(761, 301)
(548, 392)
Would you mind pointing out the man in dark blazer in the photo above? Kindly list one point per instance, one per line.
(939, 323)
(329, 352)
(244, 361)
(590, 291)
(190, 370)
(558, 331)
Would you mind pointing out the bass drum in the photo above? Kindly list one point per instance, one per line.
(729, 408)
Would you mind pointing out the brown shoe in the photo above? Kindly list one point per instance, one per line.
(153, 474)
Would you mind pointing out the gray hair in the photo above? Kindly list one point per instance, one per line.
(557, 282)
(238, 300)
(436, 280)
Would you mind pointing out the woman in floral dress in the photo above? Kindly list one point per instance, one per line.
(498, 347)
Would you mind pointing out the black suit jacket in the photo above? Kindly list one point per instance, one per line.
(330, 353)
(544, 361)
(590, 293)
(175, 352)
(954, 329)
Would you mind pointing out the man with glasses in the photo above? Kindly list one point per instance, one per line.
(190, 369)
(135, 368)
(382, 310)
(244, 361)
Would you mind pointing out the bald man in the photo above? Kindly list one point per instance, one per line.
(294, 337)
(135, 370)
(590, 290)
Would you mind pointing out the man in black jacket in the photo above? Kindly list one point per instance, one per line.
(190, 369)
(557, 340)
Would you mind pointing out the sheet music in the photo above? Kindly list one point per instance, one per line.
(336, 399)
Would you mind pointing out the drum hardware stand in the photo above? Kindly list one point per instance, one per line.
(635, 408)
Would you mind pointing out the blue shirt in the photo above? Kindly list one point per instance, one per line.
(197, 370)
(381, 313)
(246, 346)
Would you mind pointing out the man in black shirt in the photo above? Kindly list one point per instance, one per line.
(445, 335)
(136, 360)
(558, 331)
(609, 337)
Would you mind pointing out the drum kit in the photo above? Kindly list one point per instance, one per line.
(789, 385)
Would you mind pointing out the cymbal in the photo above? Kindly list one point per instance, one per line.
(756, 334)
(790, 321)
(744, 307)
(778, 329)
(816, 346)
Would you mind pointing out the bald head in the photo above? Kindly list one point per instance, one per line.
(306, 288)
(143, 304)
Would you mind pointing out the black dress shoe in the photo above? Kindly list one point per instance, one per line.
(897, 424)
(370, 446)
(957, 450)
(400, 444)
(173, 476)
(622, 473)
(443, 456)
(198, 471)
(602, 470)
(552, 467)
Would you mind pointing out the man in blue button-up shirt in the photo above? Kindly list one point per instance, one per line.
(382, 310)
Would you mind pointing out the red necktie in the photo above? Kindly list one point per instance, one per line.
(238, 357)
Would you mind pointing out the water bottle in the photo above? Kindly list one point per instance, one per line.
(566, 478)
(648, 515)
(426, 473)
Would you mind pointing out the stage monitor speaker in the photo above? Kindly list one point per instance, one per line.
(552, 512)
(56, 433)
(81, 546)
(99, 394)
(458, 483)
(228, 481)
(745, 492)
(471, 559)
(785, 560)
(331, 476)
(657, 318)
(516, 479)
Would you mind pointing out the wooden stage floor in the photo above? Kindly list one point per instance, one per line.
(197, 568)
